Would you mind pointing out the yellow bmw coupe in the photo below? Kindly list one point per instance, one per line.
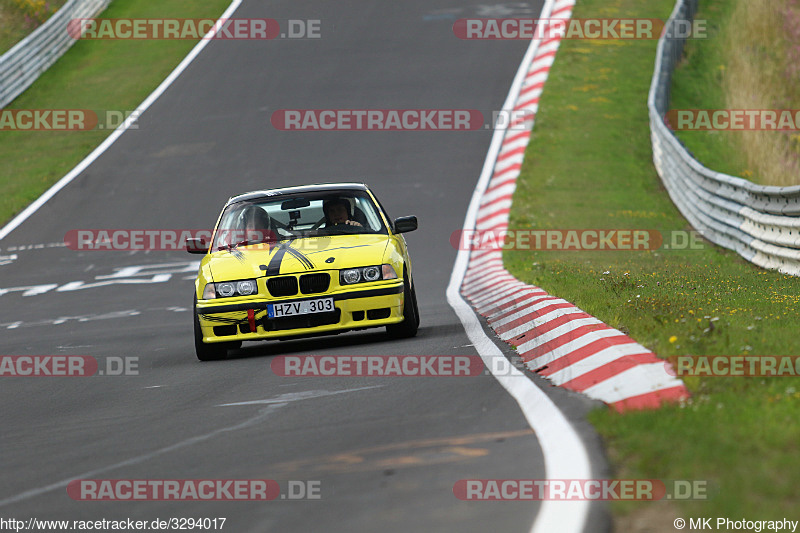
(302, 261)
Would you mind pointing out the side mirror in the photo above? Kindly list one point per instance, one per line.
(196, 246)
(405, 224)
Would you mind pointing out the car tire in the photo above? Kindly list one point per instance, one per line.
(207, 352)
(410, 324)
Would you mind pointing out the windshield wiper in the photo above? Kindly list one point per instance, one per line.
(269, 242)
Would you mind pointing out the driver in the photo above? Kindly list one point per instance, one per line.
(337, 211)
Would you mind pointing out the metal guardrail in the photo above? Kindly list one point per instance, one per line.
(24, 63)
(761, 223)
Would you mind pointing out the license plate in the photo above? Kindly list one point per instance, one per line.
(306, 307)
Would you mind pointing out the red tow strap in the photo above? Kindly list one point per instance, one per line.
(251, 317)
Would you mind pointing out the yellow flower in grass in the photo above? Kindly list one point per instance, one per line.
(673, 339)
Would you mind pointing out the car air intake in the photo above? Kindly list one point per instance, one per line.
(377, 314)
(313, 283)
(224, 331)
(283, 286)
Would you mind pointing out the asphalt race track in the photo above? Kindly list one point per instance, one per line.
(385, 452)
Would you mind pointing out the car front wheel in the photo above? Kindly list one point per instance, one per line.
(208, 352)
(410, 324)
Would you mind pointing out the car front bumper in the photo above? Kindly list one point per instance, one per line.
(224, 321)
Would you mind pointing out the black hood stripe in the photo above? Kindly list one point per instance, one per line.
(302, 258)
(274, 266)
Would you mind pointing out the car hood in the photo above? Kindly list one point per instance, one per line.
(333, 252)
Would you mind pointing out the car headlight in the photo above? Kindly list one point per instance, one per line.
(247, 287)
(227, 289)
(350, 276)
(366, 274)
(372, 274)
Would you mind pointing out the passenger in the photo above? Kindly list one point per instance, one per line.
(258, 225)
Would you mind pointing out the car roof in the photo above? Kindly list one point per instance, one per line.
(314, 188)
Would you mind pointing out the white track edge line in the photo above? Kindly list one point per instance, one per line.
(122, 128)
(565, 455)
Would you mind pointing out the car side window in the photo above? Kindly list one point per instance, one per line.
(366, 211)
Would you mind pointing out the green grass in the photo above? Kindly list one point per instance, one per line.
(18, 19)
(96, 75)
(589, 165)
(697, 84)
(749, 62)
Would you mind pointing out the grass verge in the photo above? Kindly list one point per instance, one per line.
(18, 18)
(589, 165)
(750, 61)
(93, 74)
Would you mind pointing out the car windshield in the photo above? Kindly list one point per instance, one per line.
(284, 217)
